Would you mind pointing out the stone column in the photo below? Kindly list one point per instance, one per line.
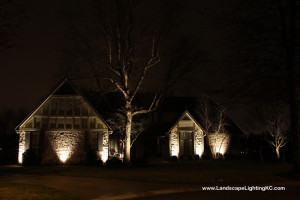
(199, 141)
(21, 146)
(174, 142)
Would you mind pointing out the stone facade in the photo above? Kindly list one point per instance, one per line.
(174, 142)
(21, 146)
(63, 128)
(104, 152)
(185, 124)
(64, 146)
(199, 141)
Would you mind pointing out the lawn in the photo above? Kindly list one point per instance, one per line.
(20, 191)
(204, 172)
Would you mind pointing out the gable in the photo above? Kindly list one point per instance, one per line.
(186, 121)
(64, 109)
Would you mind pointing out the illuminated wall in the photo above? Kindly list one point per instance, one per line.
(58, 130)
(174, 142)
(104, 152)
(219, 143)
(198, 141)
(65, 143)
(21, 146)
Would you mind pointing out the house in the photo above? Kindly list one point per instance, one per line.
(176, 129)
(63, 128)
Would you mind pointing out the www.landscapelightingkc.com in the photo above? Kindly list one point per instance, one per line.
(243, 188)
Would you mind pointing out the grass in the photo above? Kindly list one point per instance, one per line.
(20, 191)
(206, 172)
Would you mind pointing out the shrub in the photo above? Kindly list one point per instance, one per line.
(114, 162)
(205, 157)
(219, 156)
(29, 158)
(174, 159)
(190, 157)
(197, 157)
(181, 158)
(92, 158)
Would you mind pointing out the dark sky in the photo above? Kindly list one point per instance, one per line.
(31, 68)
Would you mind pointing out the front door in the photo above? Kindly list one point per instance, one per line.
(186, 143)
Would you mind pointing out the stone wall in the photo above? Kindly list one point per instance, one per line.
(199, 141)
(104, 152)
(63, 147)
(174, 142)
(21, 146)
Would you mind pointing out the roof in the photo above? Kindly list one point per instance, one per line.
(182, 116)
(65, 88)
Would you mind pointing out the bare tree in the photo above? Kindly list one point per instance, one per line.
(264, 35)
(117, 123)
(277, 127)
(129, 51)
(214, 122)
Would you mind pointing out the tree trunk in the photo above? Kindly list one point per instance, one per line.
(278, 153)
(128, 134)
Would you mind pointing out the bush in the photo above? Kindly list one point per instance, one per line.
(197, 157)
(205, 157)
(174, 159)
(92, 158)
(114, 162)
(190, 157)
(29, 158)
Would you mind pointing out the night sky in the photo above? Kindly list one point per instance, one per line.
(31, 68)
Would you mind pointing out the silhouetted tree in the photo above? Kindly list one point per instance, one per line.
(276, 126)
(9, 119)
(263, 33)
(213, 121)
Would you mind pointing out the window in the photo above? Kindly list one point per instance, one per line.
(45, 122)
(61, 123)
(84, 123)
(52, 122)
(34, 140)
(69, 123)
(76, 123)
(92, 123)
(94, 141)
